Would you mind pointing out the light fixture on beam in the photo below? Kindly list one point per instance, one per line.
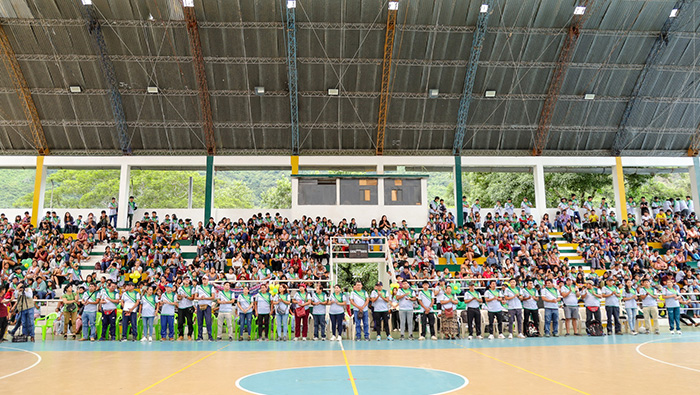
(291, 3)
(393, 5)
(490, 94)
(433, 93)
(589, 96)
(188, 3)
(484, 8)
(75, 89)
(674, 13)
(579, 10)
(260, 90)
(87, 2)
(152, 89)
(333, 92)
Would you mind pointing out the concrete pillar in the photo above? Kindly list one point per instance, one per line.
(457, 172)
(695, 182)
(619, 188)
(540, 192)
(209, 189)
(124, 193)
(39, 189)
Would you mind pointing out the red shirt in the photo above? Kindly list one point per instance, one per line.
(3, 307)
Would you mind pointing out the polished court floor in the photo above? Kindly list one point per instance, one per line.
(643, 364)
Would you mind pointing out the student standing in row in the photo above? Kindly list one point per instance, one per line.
(225, 300)
(337, 312)
(109, 300)
(570, 295)
(472, 298)
(512, 295)
(650, 306)
(629, 296)
(147, 309)
(425, 300)
(282, 305)
(262, 308)
(245, 306)
(530, 308)
(301, 316)
(167, 302)
(185, 296)
(319, 300)
(380, 301)
(359, 300)
(495, 314)
(130, 302)
(612, 305)
(406, 299)
(90, 302)
(204, 295)
(449, 325)
(551, 298)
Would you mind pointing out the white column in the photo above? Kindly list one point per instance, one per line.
(540, 194)
(42, 195)
(380, 192)
(694, 172)
(380, 168)
(124, 193)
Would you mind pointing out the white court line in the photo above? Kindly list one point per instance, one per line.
(660, 361)
(25, 369)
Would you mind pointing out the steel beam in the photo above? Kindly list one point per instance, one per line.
(623, 133)
(562, 65)
(201, 75)
(115, 98)
(386, 73)
(292, 72)
(20, 84)
(466, 99)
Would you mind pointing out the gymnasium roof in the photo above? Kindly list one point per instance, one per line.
(340, 45)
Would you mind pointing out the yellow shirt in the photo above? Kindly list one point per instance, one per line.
(593, 218)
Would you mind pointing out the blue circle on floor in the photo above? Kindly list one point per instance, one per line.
(369, 379)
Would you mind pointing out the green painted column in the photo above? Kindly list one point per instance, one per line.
(209, 189)
(458, 190)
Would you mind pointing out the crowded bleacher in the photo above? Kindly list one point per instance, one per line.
(501, 274)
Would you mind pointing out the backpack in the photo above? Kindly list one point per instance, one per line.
(594, 328)
(531, 330)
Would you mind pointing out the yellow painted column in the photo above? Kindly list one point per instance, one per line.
(39, 183)
(619, 187)
(295, 164)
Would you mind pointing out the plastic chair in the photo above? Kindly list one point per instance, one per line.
(48, 323)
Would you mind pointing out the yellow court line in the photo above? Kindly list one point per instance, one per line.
(178, 371)
(347, 365)
(528, 371)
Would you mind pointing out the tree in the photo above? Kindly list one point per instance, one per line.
(279, 196)
(67, 188)
(232, 194)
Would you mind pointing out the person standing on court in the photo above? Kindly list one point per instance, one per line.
(495, 308)
(449, 301)
(570, 295)
(530, 308)
(425, 300)
(629, 296)
(262, 307)
(301, 315)
(380, 301)
(283, 303)
(168, 302)
(109, 300)
(406, 299)
(551, 298)
(90, 303)
(512, 296)
(612, 305)
(225, 299)
(130, 301)
(319, 300)
(25, 310)
(185, 312)
(112, 208)
(650, 306)
(204, 294)
(337, 312)
(472, 299)
(70, 311)
(591, 301)
(359, 300)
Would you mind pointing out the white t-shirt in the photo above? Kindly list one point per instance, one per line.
(380, 305)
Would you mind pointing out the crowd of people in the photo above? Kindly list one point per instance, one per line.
(260, 269)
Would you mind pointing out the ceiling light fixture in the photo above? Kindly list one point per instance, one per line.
(152, 89)
(333, 92)
(674, 13)
(75, 89)
(393, 5)
(433, 93)
(291, 4)
(484, 8)
(589, 96)
(579, 10)
(490, 94)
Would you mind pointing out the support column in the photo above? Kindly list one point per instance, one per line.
(619, 188)
(540, 192)
(695, 182)
(295, 164)
(123, 198)
(39, 188)
(457, 172)
(209, 189)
